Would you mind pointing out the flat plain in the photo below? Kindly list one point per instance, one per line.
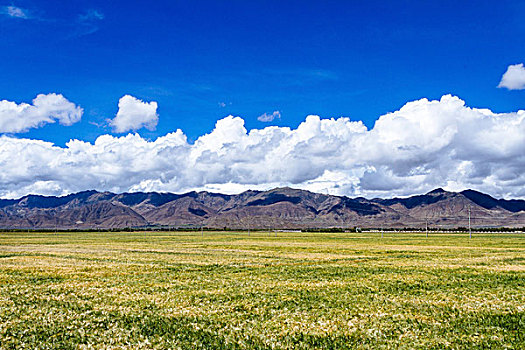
(231, 290)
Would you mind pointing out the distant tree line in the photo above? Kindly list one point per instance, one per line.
(319, 230)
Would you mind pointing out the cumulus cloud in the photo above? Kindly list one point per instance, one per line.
(14, 12)
(266, 117)
(15, 118)
(424, 145)
(513, 78)
(134, 114)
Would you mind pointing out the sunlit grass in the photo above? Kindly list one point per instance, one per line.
(233, 291)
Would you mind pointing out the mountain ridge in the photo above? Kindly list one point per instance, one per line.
(277, 208)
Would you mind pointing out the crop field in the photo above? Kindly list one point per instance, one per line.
(231, 290)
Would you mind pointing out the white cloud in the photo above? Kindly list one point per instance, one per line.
(15, 12)
(134, 114)
(87, 22)
(424, 145)
(514, 77)
(15, 118)
(269, 117)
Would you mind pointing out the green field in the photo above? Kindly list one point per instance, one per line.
(170, 290)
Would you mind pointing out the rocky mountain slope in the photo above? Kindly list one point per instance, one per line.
(275, 209)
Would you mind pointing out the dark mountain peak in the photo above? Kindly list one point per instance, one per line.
(100, 196)
(154, 198)
(470, 192)
(7, 202)
(83, 195)
(437, 191)
(481, 199)
(38, 201)
(86, 192)
(295, 192)
(282, 190)
(488, 202)
(274, 196)
(203, 194)
(248, 194)
(411, 202)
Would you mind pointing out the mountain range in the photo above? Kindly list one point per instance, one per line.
(280, 208)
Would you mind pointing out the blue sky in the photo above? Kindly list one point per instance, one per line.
(330, 58)
(194, 63)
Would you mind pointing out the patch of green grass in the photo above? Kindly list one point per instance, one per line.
(169, 290)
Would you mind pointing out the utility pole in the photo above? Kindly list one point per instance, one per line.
(469, 229)
(381, 231)
(426, 226)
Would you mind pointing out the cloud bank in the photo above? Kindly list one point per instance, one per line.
(134, 114)
(513, 78)
(16, 118)
(424, 145)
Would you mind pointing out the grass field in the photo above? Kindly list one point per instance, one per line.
(172, 290)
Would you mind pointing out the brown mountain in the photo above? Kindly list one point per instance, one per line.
(278, 208)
